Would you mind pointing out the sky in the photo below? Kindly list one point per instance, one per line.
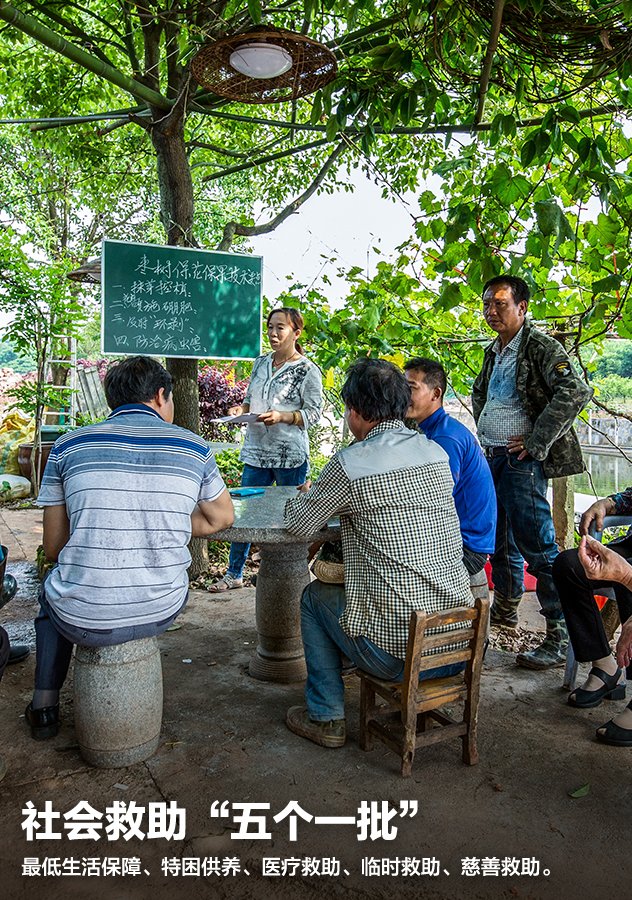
(345, 226)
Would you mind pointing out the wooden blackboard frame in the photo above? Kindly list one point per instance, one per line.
(214, 301)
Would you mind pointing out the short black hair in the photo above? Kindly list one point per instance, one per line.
(376, 390)
(519, 287)
(433, 372)
(136, 379)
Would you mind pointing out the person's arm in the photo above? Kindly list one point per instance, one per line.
(596, 513)
(210, 516)
(56, 531)
(569, 395)
(479, 388)
(275, 416)
(329, 495)
(239, 410)
(622, 502)
(455, 454)
(602, 564)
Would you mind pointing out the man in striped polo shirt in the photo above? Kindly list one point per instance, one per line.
(121, 501)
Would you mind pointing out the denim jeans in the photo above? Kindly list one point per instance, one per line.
(325, 642)
(54, 640)
(253, 476)
(524, 531)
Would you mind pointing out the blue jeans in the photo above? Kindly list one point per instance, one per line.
(54, 640)
(253, 476)
(325, 642)
(524, 530)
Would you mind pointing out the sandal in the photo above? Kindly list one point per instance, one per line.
(611, 690)
(226, 583)
(614, 734)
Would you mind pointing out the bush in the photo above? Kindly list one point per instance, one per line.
(230, 467)
(218, 390)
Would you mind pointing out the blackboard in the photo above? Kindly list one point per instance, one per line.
(177, 301)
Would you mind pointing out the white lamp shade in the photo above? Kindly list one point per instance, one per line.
(260, 60)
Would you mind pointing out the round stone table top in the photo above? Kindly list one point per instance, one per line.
(259, 520)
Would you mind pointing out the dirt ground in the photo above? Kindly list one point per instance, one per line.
(224, 743)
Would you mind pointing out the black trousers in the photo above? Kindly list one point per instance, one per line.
(583, 617)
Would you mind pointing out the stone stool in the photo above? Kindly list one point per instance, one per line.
(480, 589)
(118, 702)
(479, 586)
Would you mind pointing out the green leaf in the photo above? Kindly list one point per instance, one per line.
(408, 106)
(317, 108)
(508, 125)
(582, 791)
(527, 152)
(583, 148)
(569, 114)
(394, 60)
(254, 8)
(547, 214)
(450, 296)
(610, 283)
(332, 128)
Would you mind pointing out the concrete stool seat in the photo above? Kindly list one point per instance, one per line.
(479, 586)
(118, 702)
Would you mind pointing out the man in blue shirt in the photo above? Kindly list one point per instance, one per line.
(474, 494)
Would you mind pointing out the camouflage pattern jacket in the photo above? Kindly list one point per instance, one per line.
(552, 394)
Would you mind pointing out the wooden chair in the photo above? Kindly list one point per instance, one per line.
(402, 723)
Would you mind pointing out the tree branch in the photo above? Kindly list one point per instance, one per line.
(44, 35)
(234, 228)
(262, 160)
(497, 18)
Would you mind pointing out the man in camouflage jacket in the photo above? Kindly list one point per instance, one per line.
(525, 401)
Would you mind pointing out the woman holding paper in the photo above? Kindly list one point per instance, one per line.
(285, 390)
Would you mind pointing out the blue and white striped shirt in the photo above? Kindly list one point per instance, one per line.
(129, 485)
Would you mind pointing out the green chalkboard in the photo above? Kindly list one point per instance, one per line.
(177, 301)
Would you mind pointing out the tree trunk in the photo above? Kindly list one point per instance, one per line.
(176, 212)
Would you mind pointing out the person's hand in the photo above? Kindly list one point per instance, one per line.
(515, 444)
(602, 564)
(596, 513)
(303, 488)
(235, 410)
(271, 417)
(624, 644)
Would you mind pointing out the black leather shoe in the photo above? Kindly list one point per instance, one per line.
(17, 653)
(612, 690)
(44, 722)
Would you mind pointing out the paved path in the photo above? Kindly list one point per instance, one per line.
(21, 532)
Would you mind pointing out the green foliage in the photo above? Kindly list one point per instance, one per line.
(230, 467)
(613, 387)
(9, 359)
(615, 360)
(540, 186)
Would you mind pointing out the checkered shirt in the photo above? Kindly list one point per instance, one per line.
(399, 528)
(503, 415)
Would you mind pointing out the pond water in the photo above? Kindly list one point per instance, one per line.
(609, 473)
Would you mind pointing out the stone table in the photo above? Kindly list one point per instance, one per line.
(283, 574)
